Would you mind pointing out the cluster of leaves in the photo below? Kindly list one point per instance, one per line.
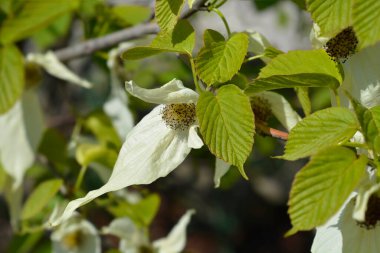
(226, 111)
(226, 119)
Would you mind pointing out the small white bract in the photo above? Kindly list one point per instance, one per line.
(156, 145)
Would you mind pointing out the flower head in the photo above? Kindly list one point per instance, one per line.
(76, 235)
(156, 145)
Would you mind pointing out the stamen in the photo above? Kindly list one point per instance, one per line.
(73, 240)
(342, 45)
(179, 116)
(372, 215)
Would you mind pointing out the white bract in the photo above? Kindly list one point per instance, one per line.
(116, 106)
(156, 145)
(56, 68)
(133, 238)
(76, 235)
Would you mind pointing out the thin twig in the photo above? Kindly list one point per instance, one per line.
(92, 45)
(275, 133)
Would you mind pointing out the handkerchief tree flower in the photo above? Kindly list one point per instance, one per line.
(222, 108)
(157, 144)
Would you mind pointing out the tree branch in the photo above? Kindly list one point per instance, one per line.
(92, 45)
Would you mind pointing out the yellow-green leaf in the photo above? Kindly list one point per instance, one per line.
(322, 186)
(227, 124)
(366, 20)
(332, 16)
(11, 76)
(40, 198)
(167, 13)
(220, 61)
(299, 68)
(320, 130)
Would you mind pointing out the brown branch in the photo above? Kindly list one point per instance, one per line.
(278, 134)
(92, 45)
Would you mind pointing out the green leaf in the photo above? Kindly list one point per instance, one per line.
(220, 61)
(299, 68)
(210, 36)
(11, 76)
(167, 13)
(332, 16)
(88, 153)
(320, 130)
(180, 40)
(141, 213)
(40, 198)
(131, 14)
(303, 97)
(322, 186)
(369, 120)
(34, 15)
(366, 20)
(227, 124)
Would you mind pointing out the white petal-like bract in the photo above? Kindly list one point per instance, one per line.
(56, 68)
(194, 141)
(175, 242)
(221, 168)
(257, 44)
(171, 93)
(364, 193)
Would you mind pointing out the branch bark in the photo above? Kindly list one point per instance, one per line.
(92, 45)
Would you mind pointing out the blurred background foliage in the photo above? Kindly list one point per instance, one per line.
(241, 216)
